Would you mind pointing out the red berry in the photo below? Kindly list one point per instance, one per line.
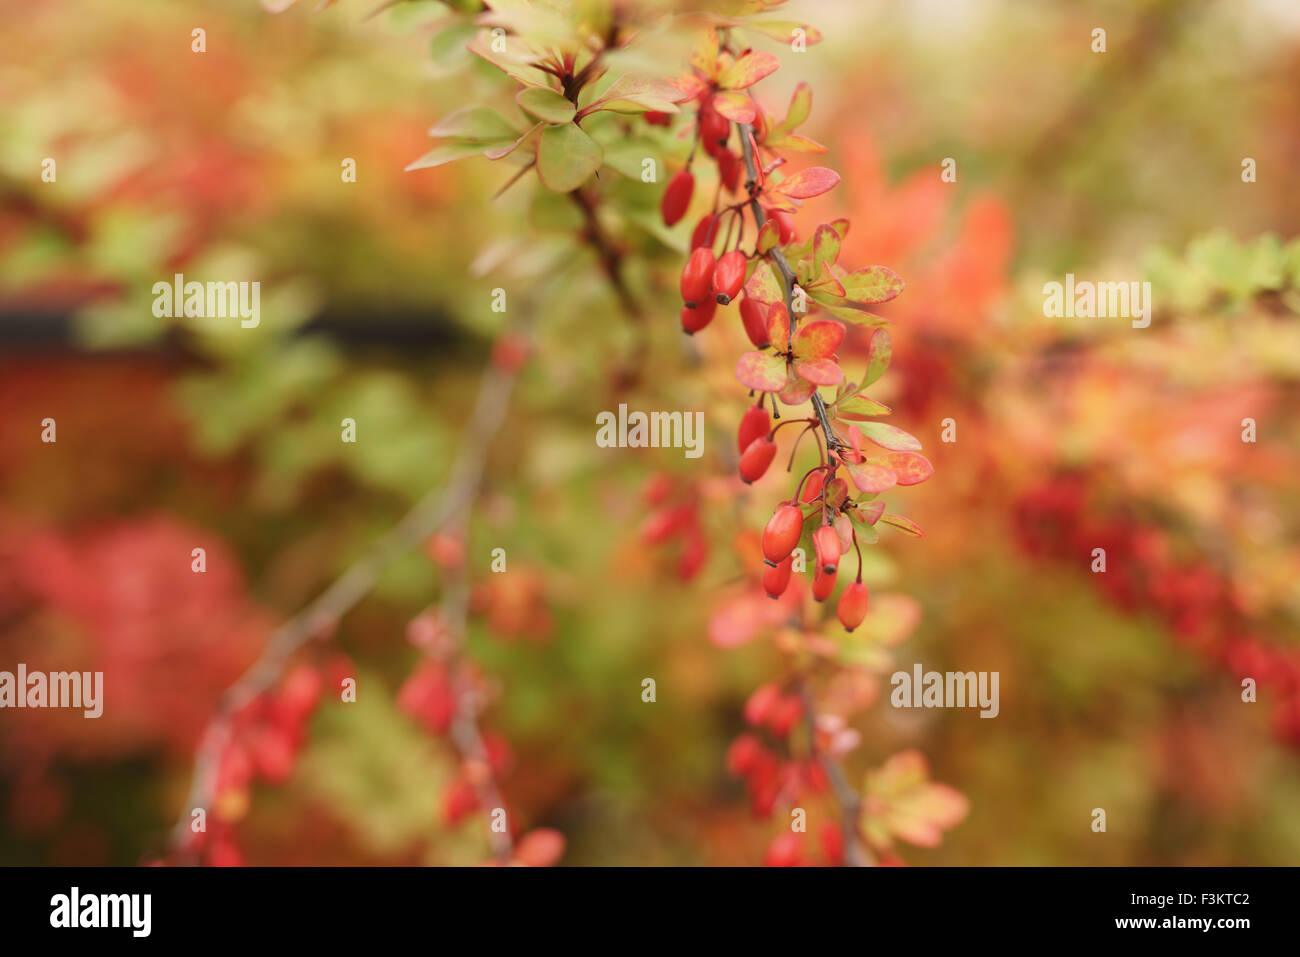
(784, 851)
(782, 533)
(826, 544)
(697, 275)
(300, 692)
(729, 170)
(702, 234)
(729, 276)
(677, 197)
(753, 423)
(272, 754)
(695, 319)
(458, 799)
(756, 458)
(540, 848)
(744, 754)
(813, 487)
(776, 579)
(853, 606)
(784, 715)
(693, 557)
(823, 584)
(715, 129)
(762, 700)
(754, 316)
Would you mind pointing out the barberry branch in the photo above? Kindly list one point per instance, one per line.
(855, 854)
(466, 736)
(439, 506)
(782, 267)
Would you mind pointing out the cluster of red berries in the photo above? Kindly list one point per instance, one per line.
(711, 279)
(769, 777)
(675, 519)
(433, 695)
(266, 737)
(1196, 602)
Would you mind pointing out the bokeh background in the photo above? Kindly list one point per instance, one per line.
(1120, 691)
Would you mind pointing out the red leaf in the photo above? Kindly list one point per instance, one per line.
(820, 371)
(818, 339)
(912, 468)
(810, 182)
(871, 478)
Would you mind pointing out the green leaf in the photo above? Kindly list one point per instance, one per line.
(767, 237)
(890, 437)
(859, 407)
(566, 156)
(479, 123)
(545, 104)
(446, 153)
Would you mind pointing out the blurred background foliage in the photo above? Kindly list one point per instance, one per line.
(376, 295)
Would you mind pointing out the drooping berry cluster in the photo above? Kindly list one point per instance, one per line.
(745, 248)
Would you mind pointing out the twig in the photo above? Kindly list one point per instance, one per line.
(855, 852)
(610, 256)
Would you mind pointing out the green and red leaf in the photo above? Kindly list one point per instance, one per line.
(763, 285)
(748, 70)
(818, 339)
(879, 351)
(890, 436)
(736, 107)
(872, 284)
(903, 524)
(762, 371)
(860, 407)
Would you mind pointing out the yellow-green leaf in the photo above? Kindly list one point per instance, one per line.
(545, 104)
(566, 156)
